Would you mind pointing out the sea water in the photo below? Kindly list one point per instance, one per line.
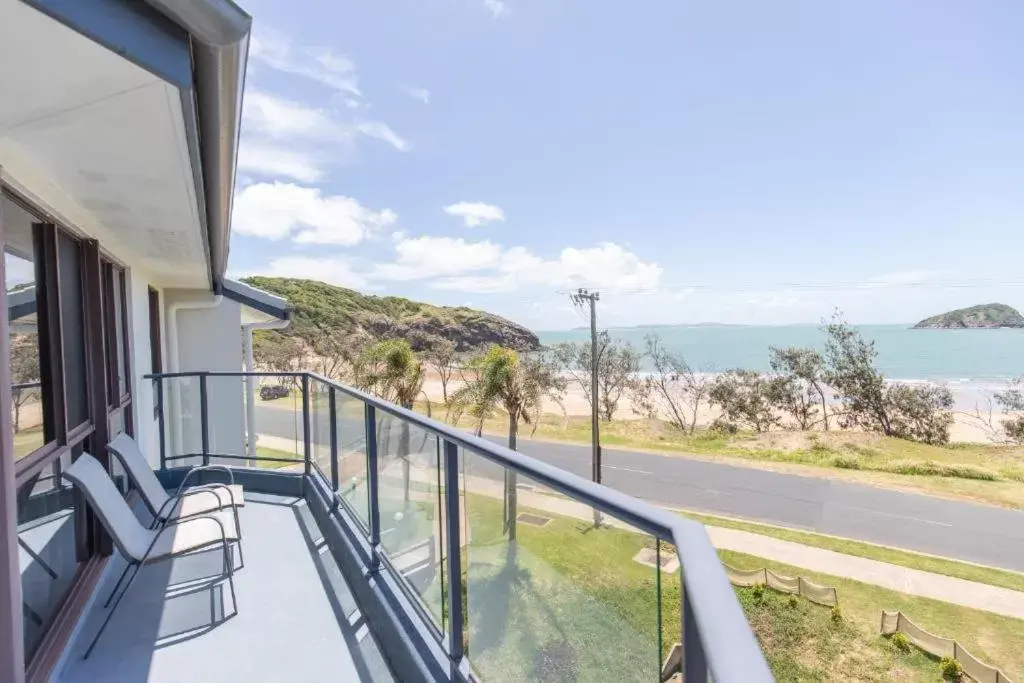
(973, 363)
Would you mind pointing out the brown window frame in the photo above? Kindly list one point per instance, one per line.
(62, 439)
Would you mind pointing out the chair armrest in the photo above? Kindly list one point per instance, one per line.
(180, 496)
(212, 487)
(201, 468)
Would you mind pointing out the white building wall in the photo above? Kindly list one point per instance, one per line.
(143, 394)
(208, 339)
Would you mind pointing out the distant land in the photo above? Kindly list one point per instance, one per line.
(976, 317)
(321, 311)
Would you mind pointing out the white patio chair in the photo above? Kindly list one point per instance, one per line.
(140, 545)
(186, 502)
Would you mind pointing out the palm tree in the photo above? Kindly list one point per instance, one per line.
(501, 379)
(391, 370)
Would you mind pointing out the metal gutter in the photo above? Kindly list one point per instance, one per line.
(220, 31)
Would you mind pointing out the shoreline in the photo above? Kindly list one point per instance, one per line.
(967, 427)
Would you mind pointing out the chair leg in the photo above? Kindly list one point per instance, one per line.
(230, 571)
(238, 530)
(118, 584)
(110, 614)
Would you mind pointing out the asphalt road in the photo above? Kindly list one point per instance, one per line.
(975, 533)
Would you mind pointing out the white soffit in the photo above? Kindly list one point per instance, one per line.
(101, 142)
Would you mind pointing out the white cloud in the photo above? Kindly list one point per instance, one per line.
(474, 214)
(381, 131)
(497, 7)
(278, 161)
(318, 64)
(280, 118)
(423, 258)
(421, 94)
(335, 270)
(485, 267)
(279, 210)
(274, 117)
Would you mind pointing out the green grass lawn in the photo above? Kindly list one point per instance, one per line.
(569, 590)
(904, 558)
(263, 452)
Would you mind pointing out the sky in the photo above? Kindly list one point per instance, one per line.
(715, 161)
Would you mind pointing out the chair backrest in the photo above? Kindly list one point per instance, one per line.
(134, 462)
(130, 537)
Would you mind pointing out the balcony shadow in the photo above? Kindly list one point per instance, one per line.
(366, 657)
(169, 603)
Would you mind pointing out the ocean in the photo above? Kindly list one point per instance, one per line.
(973, 363)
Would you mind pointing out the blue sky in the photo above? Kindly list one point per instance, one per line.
(744, 162)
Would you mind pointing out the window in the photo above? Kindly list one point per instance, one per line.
(70, 390)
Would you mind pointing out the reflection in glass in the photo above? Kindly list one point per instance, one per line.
(28, 413)
(46, 547)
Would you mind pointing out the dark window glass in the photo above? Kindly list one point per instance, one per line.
(121, 319)
(73, 328)
(46, 547)
(155, 344)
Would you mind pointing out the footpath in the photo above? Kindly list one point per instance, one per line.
(971, 594)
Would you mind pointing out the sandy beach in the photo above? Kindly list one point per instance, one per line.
(967, 427)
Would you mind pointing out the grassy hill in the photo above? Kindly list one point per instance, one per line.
(320, 309)
(985, 315)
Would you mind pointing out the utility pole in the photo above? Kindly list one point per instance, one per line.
(580, 298)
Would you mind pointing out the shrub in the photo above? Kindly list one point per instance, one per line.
(749, 398)
(758, 591)
(951, 669)
(900, 642)
(793, 601)
(819, 448)
(836, 615)
(914, 412)
(723, 427)
(846, 462)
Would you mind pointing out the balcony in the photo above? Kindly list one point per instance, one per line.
(380, 543)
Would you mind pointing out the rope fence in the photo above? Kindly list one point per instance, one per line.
(896, 622)
(822, 595)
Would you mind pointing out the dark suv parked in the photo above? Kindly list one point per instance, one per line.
(272, 391)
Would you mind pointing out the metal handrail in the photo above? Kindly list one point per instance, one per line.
(725, 645)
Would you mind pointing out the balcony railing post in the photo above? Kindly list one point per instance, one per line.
(159, 382)
(372, 481)
(454, 549)
(332, 414)
(695, 664)
(306, 451)
(204, 421)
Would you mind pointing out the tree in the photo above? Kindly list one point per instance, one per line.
(749, 398)
(617, 365)
(24, 373)
(1012, 401)
(502, 379)
(443, 358)
(915, 412)
(392, 371)
(805, 370)
(673, 390)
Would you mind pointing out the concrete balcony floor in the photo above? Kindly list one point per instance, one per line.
(296, 619)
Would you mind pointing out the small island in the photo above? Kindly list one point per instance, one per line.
(985, 316)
